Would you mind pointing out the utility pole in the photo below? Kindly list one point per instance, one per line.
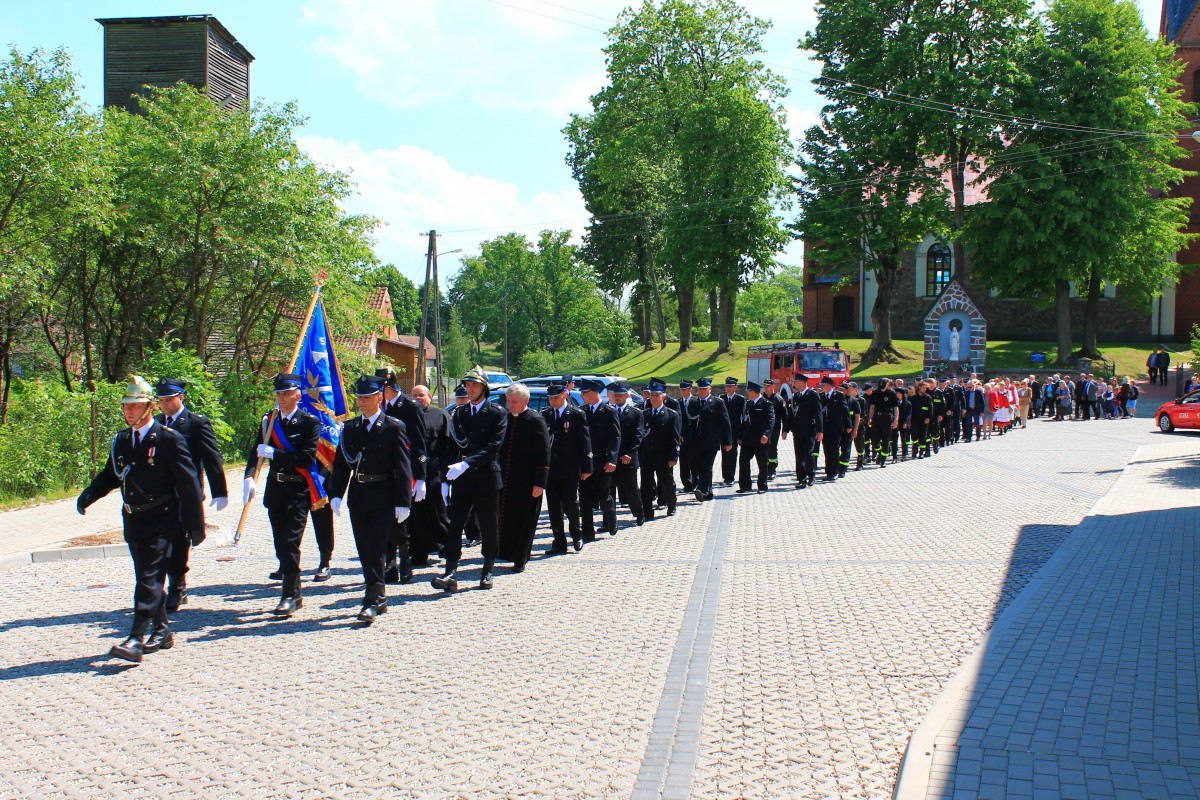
(430, 260)
(437, 322)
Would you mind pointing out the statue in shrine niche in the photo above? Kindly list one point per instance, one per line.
(955, 340)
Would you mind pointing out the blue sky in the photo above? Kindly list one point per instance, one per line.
(448, 113)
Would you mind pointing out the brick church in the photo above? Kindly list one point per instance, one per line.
(927, 270)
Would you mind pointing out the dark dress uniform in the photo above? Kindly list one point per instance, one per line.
(904, 432)
(478, 433)
(735, 407)
(160, 490)
(806, 418)
(408, 411)
(756, 426)
(197, 431)
(883, 409)
(286, 496)
(570, 458)
(781, 420)
(711, 431)
(837, 427)
(685, 435)
(922, 414)
(939, 416)
(372, 471)
(605, 431)
(659, 448)
(626, 476)
(854, 408)
(950, 428)
(524, 464)
(430, 520)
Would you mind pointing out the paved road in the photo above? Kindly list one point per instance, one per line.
(778, 645)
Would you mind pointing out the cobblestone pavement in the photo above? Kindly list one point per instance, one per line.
(779, 645)
(1087, 687)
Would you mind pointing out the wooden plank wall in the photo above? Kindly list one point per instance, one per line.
(228, 72)
(155, 54)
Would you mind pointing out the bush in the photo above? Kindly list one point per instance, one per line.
(46, 442)
(576, 359)
(245, 400)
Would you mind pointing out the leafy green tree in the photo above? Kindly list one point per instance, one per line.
(682, 160)
(50, 182)
(1084, 197)
(456, 353)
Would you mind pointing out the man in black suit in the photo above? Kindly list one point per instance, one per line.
(755, 438)
(197, 431)
(972, 411)
(430, 519)
(570, 462)
(735, 407)
(659, 451)
(780, 407)
(375, 450)
(160, 487)
(605, 432)
(289, 442)
(837, 425)
(408, 411)
(711, 434)
(806, 424)
(629, 417)
(477, 428)
(685, 433)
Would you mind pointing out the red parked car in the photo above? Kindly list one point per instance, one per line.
(1183, 412)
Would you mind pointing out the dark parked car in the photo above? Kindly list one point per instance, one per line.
(537, 398)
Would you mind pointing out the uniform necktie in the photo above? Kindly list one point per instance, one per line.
(170, 421)
(137, 439)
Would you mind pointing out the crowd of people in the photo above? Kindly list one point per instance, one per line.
(418, 480)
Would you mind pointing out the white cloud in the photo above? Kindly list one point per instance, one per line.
(412, 190)
(494, 56)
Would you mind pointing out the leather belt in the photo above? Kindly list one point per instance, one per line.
(374, 478)
(148, 506)
(287, 477)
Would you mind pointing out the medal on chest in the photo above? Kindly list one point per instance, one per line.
(566, 426)
(150, 457)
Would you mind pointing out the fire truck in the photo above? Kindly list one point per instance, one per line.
(782, 360)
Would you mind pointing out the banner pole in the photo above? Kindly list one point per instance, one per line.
(258, 465)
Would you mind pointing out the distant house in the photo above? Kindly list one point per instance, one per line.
(385, 343)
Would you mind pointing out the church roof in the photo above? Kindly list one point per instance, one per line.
(1176, 13)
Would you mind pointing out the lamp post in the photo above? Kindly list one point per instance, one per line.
(504, 300)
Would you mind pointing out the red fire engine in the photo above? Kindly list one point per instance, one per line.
(782, 360)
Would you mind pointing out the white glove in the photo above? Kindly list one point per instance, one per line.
(219, 503)
(445, 492)
(266, 451)
(401, 514)
(419, 491)
(336, 504)
(456, 470)
(247, 490)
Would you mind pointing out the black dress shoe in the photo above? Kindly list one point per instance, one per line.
(129, 650)
(322, 574)
(741, 491)
(287, 606)
(176, 597)
(577, 544)
(485, 580)
(368, 614)
(518, 568)
(277, 575)
(670, 512)
(762, 490)
(391, 574)
(161, 639)
(557, 550)
(447, 583)
(472, 542)
(640, 521)
(802, 484)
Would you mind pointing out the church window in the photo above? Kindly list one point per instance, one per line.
(938, 269)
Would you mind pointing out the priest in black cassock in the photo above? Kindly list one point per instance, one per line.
(524, 466)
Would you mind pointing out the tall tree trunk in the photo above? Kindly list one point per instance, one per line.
(958, 186)
(714, 316)
(882, 348)
(641, 316)
(658, 307)
(725, 330)
(6, 370)
(1091, 317)
(1062, 320)
(687, 307)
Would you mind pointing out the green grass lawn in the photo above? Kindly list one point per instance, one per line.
(701, 360)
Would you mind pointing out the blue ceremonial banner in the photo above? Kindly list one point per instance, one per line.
(322, 394)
